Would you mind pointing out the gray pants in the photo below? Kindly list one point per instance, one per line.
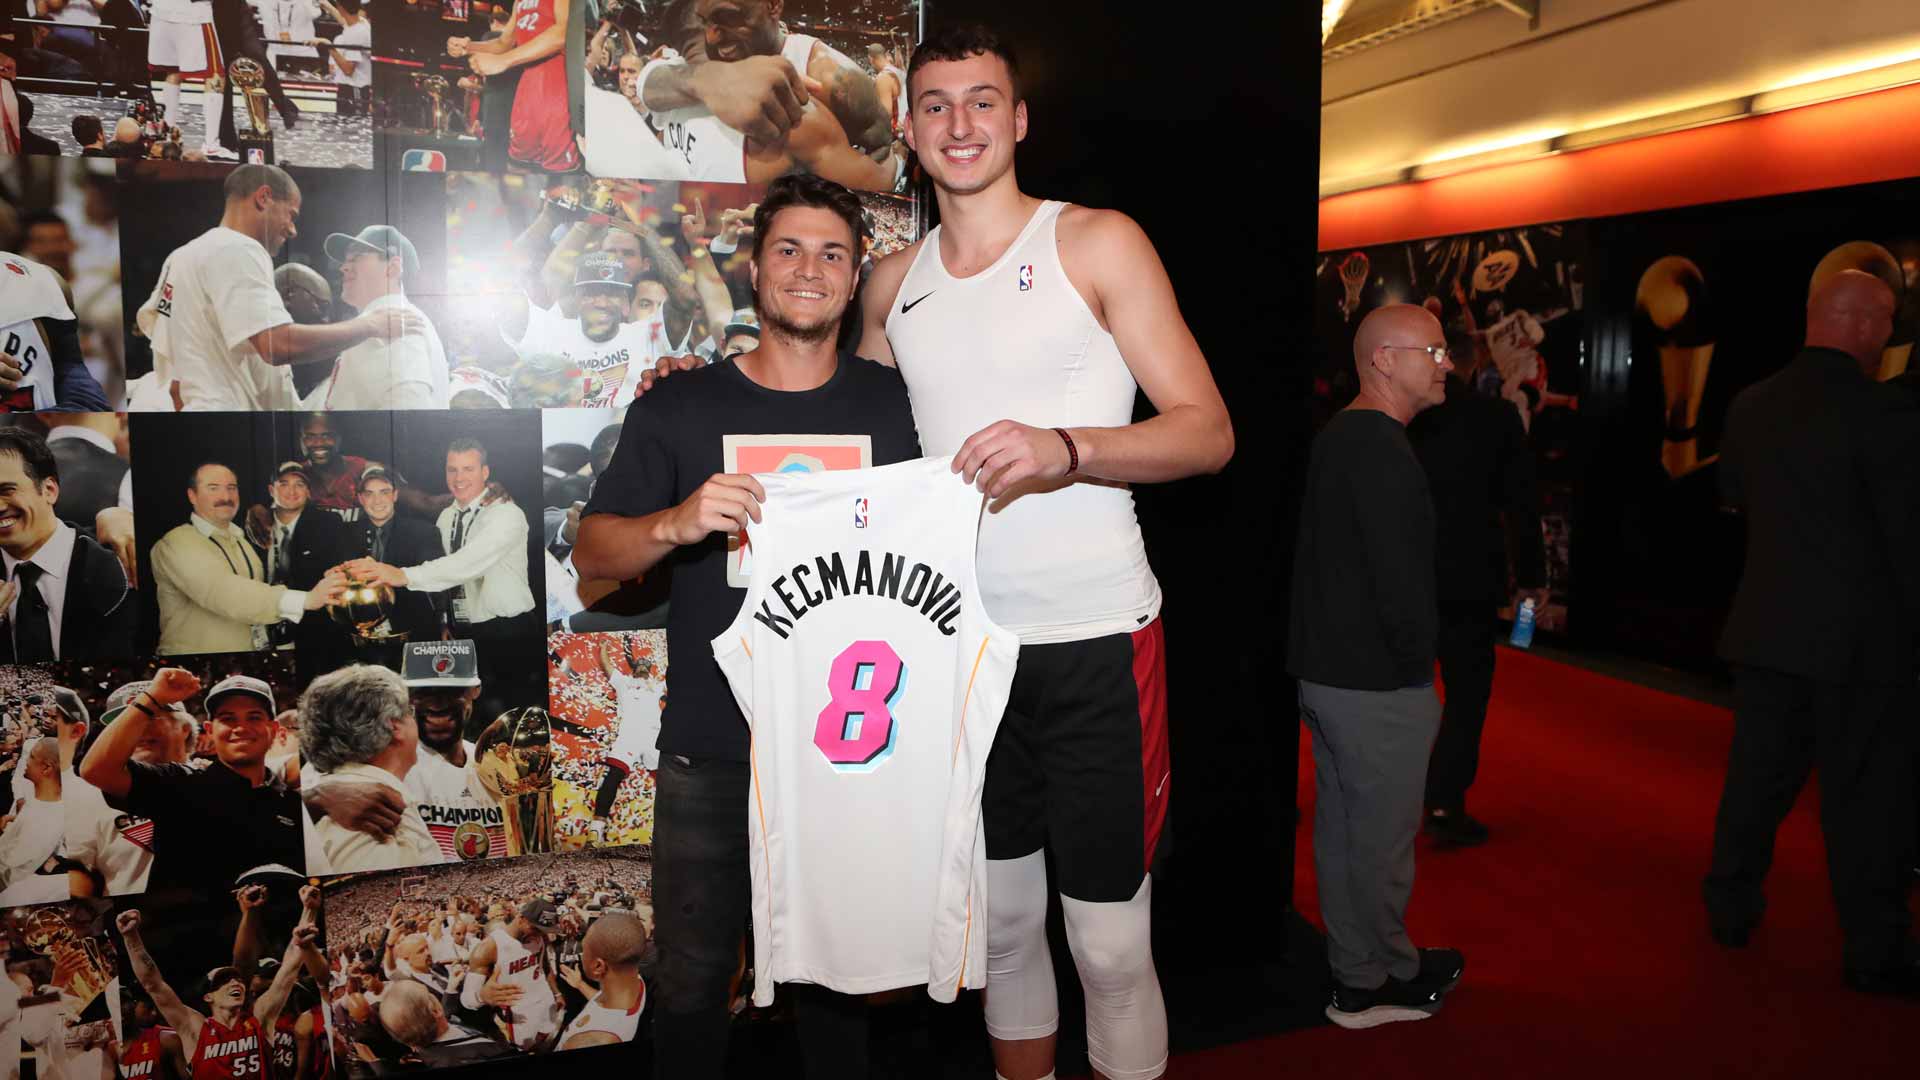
(1370, 751)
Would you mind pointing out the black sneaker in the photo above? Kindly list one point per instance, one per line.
(1456, 828)
(1356, 1009)
(1440, 968)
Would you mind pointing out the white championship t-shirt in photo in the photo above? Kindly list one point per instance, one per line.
(214, 293)
(617, 361)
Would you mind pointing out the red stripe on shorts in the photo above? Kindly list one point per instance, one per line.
(1156, 768)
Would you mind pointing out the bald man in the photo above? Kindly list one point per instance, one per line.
(1822, 636)
(1363, 628)
(610, 960)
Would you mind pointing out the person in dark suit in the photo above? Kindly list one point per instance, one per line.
(1908, 382)
(1822, 634)
(64, 596)
(1480, 471)
(239, 34)
(302, 544)
(385, 536)
(91, 468)
(32, 142)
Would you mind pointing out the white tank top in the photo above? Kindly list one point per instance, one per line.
(620, 1023)
(872, 682)
(1060, 561)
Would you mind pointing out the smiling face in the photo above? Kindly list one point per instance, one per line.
(376, 498)
(164, 740)
(215, 494)
(804, 273)
(242, 730)
(602, 309)
(317, 438)
(230, 994)
(467, 475)
(964, 122)
(737, 29)
(279, 218)
(290, 492)
(26, 507)
(365, 276)
(649, 300)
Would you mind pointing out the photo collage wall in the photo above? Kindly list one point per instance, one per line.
(264, 473)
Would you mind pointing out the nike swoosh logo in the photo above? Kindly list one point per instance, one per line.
(904, 308)
(1163, 785)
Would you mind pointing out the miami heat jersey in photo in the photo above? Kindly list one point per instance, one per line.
(140, 1058)
(229, 1053)
(873, 682)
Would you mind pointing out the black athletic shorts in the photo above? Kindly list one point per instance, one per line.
(1080, 763)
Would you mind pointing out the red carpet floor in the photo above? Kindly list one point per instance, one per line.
(1587, 951)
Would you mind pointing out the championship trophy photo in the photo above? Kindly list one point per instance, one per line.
(514, 760)
(365, 608)
(256, 133)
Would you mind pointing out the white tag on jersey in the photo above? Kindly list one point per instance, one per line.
(873, 682)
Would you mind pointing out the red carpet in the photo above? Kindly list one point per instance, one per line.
(1587, 951)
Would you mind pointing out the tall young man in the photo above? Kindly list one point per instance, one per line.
(677, 487)
(1023, 329)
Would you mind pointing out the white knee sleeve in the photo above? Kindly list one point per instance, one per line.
(1021, 1001)
(1126, 1016)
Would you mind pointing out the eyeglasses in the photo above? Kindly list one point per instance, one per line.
(1437, 353)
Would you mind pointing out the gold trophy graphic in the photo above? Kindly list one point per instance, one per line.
(514, 760)
(365, 608)
(435, 87)
(256, 142)
(77, 968)
(1871, 258)
(1672, 295)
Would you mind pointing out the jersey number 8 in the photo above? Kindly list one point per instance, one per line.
(856, 729)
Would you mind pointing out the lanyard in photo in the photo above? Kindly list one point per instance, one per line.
(244, 557)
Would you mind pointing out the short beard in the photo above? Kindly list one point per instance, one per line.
(779, 325)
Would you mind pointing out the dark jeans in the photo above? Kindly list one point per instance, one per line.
(701, 891)
(1465, 648)
(1862, 738)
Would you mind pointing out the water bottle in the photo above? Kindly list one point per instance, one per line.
(1523, 626)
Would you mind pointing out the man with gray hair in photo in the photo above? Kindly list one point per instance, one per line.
(357, 725)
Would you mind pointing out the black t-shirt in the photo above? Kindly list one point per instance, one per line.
(211, 825)
(1364, 616)
(671, 441)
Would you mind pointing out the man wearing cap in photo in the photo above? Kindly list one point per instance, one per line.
(357, 726)
(407, 372)
(516, 955)
(485, 568)
(63, 597)
(385, 536)
(597, 339)
(442, 682)
(210, 825)
(214, 588)
(112, 851)
(303, 543)
(742, 335)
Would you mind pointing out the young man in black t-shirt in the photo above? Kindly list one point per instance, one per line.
(678, 492)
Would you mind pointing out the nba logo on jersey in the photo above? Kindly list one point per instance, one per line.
(256, 156)
(859, 513)
(1026, 277)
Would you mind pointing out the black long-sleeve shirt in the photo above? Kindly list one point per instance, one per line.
(1364, 615)
(1480, 467)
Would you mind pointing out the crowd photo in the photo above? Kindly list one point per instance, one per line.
(194, 80)
(454, 965)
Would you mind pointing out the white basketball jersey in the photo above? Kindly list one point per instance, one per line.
(873, 682)
(537, 1011)
(636, 740)
(622, 1024)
